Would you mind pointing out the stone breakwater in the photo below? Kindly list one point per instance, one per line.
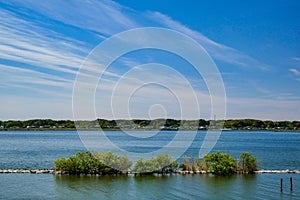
(278, 171)
(52, 171)
(28, 171)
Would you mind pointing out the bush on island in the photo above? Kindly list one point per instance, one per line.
(160, 164)
(87, 163)
(247, 163)
(221, 163)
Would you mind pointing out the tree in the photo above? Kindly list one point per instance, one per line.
(203, 123)
(124, 163)
(247, 163)
(160, 164)
(258, 124)
(121, 163)
(197, 164)
(86, 163)
(60, 164)
(163, 161)
(13, 124)
(73, 165)
(145, 166)
(187, 163)
(221, 163)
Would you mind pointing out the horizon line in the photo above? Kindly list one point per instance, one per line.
(228, 119)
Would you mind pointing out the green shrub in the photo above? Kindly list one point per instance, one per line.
(87, 163)
(121, 163)
(247, 163)
(221, 163)
(160, 164)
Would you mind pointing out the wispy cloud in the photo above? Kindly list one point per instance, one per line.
(105, 17)
(22, 42)
(108, 17)
(296, 58)
(36, 61)
(295, 71)
(36, 56)
(216, 50)
(22, 76)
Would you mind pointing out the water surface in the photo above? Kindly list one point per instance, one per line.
(38, 149)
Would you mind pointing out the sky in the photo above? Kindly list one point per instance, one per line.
(45, 44)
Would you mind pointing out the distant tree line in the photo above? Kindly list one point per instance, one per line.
(167, 124)
(37, 123)
(109, 163)
(259, 124)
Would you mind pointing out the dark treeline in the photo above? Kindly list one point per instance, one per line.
(263, 125)
(168, 124)
(37, 123)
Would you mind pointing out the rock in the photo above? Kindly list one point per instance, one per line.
(277, 171)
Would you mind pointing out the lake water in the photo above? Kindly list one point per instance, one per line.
(38, 149)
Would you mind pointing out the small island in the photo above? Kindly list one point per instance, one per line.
(108, 163)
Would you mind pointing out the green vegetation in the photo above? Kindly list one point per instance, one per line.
(138, 124)
(87, 163)
(247, 163)
(253, 124)
(221, 163)
(159, 164)
(108, 163)
(190, 164)
(37, 124)
(121, 163)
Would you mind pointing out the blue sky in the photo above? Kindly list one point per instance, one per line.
(255, 45)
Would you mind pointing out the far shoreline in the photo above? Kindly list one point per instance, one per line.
(124, 129)
(149, 125)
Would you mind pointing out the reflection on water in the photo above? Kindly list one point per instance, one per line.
(259, 186)
(93, 187)
(48, 186)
